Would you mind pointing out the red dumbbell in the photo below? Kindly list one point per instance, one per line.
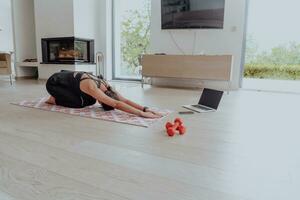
(168, 125)
(181, 128)
(177, 126)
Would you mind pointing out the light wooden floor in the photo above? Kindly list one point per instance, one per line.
(249, 149)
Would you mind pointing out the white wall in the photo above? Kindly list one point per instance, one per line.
(53, 19)
(24, 28)
(92, 20)
(105, 42)
(85, 18)
(6, 31)
(211, 42)
(24, 34)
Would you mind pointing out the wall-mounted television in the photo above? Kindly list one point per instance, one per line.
(192, 14)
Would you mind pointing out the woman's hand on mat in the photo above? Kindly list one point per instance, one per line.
(150, 115)
(154, 112)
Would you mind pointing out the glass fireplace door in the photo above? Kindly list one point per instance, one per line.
(67, 50)
(60, 51)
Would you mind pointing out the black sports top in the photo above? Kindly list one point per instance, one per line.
(64, 86)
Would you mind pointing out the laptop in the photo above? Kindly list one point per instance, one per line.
(209, 101)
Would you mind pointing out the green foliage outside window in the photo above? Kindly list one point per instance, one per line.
(281, 62)
(135, 38)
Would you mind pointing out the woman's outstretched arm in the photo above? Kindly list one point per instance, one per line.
(129, 102)
(135, 105)
(90, 88)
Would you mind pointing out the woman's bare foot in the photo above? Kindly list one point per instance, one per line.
(51, 100)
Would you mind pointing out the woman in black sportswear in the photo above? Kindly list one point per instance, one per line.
(80, 89)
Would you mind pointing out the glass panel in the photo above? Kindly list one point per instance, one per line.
(273, 45)
(65, 50)
(61, 50)
(81, 51)
(53, 50)
(131, 36)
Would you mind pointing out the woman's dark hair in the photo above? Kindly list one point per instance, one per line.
(109, 92)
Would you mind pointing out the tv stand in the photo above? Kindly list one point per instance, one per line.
(201, 67)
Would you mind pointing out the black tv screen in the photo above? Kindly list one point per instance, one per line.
(192, 14)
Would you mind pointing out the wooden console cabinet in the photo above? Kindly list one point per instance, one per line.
(5, 64)
(200, 67)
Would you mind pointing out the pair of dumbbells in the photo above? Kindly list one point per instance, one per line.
(176, 127)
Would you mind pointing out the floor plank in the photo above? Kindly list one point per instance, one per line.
(5, 196)
(26, 182)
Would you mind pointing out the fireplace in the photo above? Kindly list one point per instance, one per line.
(67, 50)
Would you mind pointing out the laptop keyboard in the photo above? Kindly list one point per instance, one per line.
(201, 107)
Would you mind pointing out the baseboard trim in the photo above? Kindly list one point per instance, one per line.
(25, 77)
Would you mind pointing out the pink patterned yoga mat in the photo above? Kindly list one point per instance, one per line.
(95, 112)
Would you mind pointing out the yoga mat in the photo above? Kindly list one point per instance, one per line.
(94, 112)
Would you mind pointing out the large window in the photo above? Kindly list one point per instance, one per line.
(273, 45)
(131, 36)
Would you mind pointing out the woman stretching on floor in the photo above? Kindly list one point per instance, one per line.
(80, 89)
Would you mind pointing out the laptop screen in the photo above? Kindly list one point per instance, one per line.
(211, 98)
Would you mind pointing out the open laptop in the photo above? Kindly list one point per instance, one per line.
(209, 101)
